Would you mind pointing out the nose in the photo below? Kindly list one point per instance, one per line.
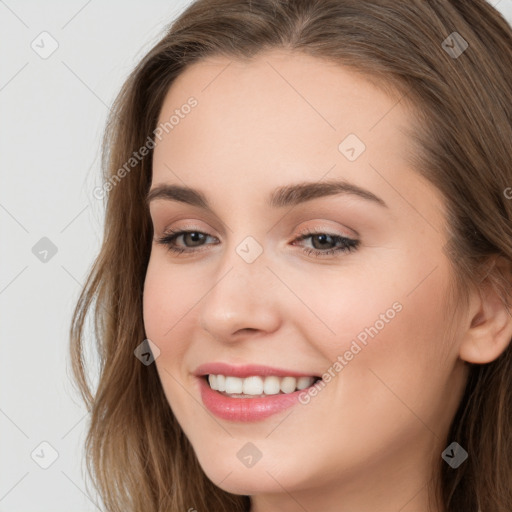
(243, 299)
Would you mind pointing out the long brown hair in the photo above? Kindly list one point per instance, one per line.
(137, 454)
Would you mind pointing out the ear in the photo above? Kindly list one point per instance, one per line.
(490, 331)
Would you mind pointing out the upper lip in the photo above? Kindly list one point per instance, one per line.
(246, 370)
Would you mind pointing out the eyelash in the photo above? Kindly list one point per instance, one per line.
(347, 244)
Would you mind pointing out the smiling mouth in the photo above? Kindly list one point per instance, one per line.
(258, 386)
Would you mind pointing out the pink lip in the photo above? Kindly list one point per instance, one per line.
(246, 371)
(245, 409)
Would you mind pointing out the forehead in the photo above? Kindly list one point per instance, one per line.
(277, 89)
(281, 117)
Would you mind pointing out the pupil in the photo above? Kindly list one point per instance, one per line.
(195, 236)
(322, 238)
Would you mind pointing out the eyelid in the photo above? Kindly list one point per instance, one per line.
(163, 219)
(298, 233)
(346, 233)
(186, 227)
(334, 230)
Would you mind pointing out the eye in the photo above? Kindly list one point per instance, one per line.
(324, 244)
(195, 238)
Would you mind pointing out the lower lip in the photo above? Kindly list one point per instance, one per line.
(245, 409)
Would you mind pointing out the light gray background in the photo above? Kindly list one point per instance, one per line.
(52, 113)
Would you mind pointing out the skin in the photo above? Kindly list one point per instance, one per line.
(369, 439)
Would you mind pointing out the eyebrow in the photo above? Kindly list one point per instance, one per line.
(288, 195)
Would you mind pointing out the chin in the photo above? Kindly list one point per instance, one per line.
(265, 476)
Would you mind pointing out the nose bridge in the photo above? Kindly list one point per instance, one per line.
(244, 263)
(241, 295)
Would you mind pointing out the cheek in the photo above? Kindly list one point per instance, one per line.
(388, 318)
(166, 301)
(167, 313)
(155, 297)
(407, 362)
(388, 364)
(347, 305)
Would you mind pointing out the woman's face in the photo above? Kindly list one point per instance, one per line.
(347, 282)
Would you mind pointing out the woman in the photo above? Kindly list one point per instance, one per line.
(302, 297)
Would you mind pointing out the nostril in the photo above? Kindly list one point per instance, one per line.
(247, 329)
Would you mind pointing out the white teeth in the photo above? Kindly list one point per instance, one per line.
(271, 385)
(256, 385)
(302, 382)
(221, 383)
(288, 384)
(252, 386)
(234, 385)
